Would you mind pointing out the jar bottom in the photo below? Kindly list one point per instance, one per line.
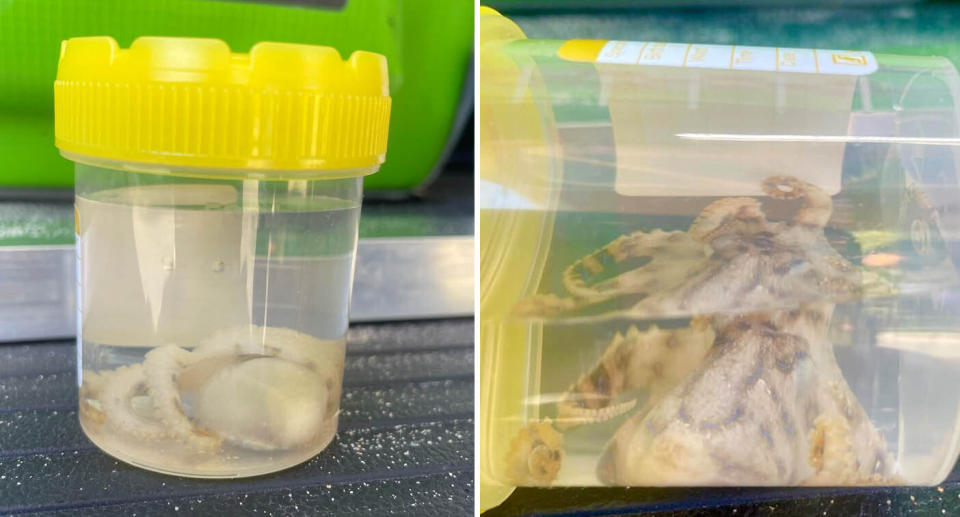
(168, 456)
(246, 401)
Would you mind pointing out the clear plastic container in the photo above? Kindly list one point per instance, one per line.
(715, 265)
(215, 249)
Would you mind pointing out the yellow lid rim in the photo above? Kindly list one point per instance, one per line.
(187, 102)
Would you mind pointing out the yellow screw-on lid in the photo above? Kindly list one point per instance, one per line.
(185, 102)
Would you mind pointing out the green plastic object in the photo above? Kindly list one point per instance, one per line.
(514, 6)
(428, 45)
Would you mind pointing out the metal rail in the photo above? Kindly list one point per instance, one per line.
(396, 279)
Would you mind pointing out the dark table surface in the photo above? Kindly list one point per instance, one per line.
(943, 499)
(404, 446)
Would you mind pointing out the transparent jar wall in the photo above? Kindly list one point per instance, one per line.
(212, 317)
(647, 149)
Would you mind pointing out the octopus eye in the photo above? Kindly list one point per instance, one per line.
(763, 240)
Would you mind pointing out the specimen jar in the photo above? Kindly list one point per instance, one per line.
(715, 265)
(217, 206)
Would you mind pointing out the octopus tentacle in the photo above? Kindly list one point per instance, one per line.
(117, 391)
(871, 463)
(544, 306)
(727, 216)
(576, 276)
(574, 415)
(590, 398)
(162, 366)
(238, 376)
(831, 452)
(655, 360)
(668, 254)
(817, 205)
(653, 245)
(535, 455)
(92, 381)
(89, 395)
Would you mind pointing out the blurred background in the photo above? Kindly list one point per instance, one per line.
(427, 44)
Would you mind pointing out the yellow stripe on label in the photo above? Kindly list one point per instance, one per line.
(585, 50)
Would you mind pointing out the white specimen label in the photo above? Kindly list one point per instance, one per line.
(733, 57)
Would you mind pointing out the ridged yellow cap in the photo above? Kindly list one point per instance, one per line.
(186, 102)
